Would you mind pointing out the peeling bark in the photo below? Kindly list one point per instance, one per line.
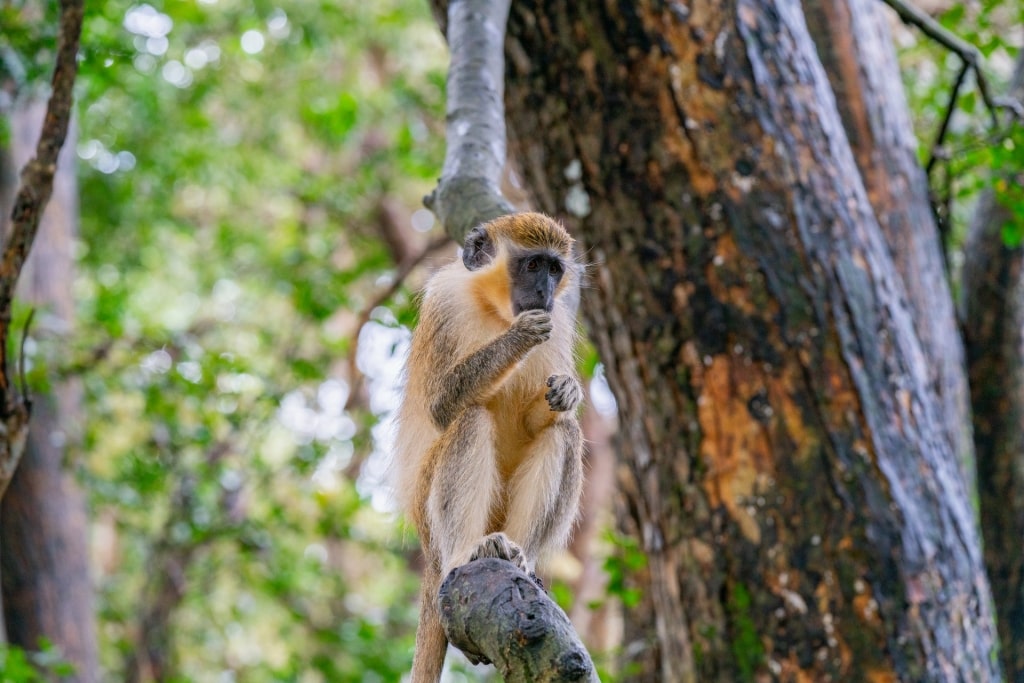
(993, 287)
(785, 461)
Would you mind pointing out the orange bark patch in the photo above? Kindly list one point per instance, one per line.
(735, 445)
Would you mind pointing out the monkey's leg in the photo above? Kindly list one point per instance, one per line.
(545, 491)
(463, 488)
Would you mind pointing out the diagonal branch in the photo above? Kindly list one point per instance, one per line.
(469, 190)
(33, 194)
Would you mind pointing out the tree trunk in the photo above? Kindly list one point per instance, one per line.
(47, 591)
(786, 469)
(993, 286)
(855, 47)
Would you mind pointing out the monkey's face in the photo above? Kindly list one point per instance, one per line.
(534, 276)
(519, 263)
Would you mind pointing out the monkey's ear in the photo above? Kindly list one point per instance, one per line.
(478, 250)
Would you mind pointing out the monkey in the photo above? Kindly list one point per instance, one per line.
(488, 447)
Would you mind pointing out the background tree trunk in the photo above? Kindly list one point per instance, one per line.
(993, 287)
(855, 47)
(44, 551)
(786, 469)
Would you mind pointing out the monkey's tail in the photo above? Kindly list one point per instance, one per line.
(431, 643)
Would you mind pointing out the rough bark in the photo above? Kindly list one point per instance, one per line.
(993, 288)
(785, 463)
(855, 47)
(492, 610)
(47, 591)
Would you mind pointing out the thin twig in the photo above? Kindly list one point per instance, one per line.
(944, 127)
(404, 269)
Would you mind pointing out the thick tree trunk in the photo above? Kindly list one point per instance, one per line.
(855, 47)
(786, 466)
(44, 552)
(993, 287)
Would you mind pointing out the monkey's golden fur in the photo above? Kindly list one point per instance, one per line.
(489, 448)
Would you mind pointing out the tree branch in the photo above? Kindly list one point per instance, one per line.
(33, 194)
(469, 190)
(493, 611)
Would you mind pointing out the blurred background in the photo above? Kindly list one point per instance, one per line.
(224, 290)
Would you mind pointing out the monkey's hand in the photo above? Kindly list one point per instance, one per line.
(565, 393)
(531, 328)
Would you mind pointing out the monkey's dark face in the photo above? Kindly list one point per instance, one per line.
(534, 276)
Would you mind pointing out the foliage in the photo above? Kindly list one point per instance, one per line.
(977, 154)
(20, 666)
(235, 161)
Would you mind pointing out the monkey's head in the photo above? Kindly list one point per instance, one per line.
(526, 259)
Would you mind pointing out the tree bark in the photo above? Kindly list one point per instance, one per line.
(47, 591)
(855, 47)
(492, 610)
(993, 288)
(786, 468)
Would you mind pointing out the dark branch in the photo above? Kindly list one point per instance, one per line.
(493, 611)
(33, 194)
(944, 126)
(469, 190)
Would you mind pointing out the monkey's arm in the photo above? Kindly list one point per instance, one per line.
(476, 376)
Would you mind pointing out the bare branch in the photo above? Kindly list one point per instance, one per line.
(29, 203)
(469, 190)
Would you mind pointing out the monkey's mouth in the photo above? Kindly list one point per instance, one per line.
(519, 307)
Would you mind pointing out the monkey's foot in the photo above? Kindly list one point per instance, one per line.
(500, 546)
(565, 393)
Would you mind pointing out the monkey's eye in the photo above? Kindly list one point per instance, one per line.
(533, 264)
(556, 268)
